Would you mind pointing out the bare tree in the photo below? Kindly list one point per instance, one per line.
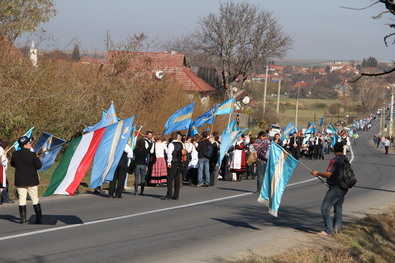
(241, 35)
(389, 8)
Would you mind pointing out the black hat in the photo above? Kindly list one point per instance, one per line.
(24, 140)
(338, 147)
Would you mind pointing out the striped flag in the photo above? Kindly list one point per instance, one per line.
(74, 164)
(279, 169)
(108, 118)
(226, 107)
(179, 120)
(110, 151)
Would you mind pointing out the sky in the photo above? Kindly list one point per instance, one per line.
(320, 29)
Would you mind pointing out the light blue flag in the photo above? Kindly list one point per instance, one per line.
(207, 117)
(227, 140)
(334, 139)
(232, 126)
(279, 168)
(321, 122)
(331, 128)
(109, 151)
(50, 146)
(28, 134)
(311, 128)
(109, 118)
(226, 107)
(180, 120)
(288, 130)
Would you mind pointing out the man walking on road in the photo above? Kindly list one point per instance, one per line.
(335, 195)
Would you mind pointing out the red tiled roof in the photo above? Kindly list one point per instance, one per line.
(301, 84)
(172, 64)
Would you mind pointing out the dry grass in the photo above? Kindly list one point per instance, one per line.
(371, 239)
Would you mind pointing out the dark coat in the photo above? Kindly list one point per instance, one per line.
(26, 164)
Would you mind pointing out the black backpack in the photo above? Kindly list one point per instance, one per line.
(347, 179)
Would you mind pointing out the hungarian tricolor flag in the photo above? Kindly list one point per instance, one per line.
(74, 164)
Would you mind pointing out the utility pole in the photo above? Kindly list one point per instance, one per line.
(392, 110)
(296, 110)
(278, 97)
(264, 92)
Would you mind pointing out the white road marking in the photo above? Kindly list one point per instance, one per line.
(134, 215)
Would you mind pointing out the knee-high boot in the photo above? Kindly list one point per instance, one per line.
(22, 213)
(39, 215)
(142, 189)
(136, 189)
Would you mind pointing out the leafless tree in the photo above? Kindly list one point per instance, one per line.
(389, 8)
(241, 35)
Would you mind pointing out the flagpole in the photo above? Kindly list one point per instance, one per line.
(305, 166)
(53, 147)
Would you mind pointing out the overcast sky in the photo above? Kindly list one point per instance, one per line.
(320, 29)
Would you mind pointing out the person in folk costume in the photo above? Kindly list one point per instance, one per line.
(238, 163)
(192, 173)
(173, 167)
(118, 182)
(5, 198)
(26, 164)
(159, 169)
(151, 157)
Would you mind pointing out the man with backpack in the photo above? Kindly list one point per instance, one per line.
(335, 195)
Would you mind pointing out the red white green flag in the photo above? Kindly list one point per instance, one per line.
(74, 164)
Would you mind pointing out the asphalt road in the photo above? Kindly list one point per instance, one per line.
(213, 224)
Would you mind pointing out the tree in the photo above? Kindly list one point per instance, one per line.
(241, 35)
(371, 62)
(19, 16)
(76, 53)
(389, 6)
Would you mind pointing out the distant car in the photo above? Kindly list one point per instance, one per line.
(273, 129)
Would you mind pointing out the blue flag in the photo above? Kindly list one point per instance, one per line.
(107, 119)
(109, 151)
(232, 126)
(311, 128)
(331, 128)
(279, 168)
(321, 122)
(45, 143)
(28, 134)
(180, 120)
(207, 117)
(227, 140)
(226, 107)
(289, 129)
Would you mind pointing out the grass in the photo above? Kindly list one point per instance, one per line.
(372, 239)
(309, 110)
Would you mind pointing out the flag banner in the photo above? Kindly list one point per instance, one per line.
(180, 120)
(28, 134)
(108, 119)
(331, 128)
(279, 169)
(227, 140)
(74, 164)
(110, 151)
(51, 146)
(334, 139)
(226, 107)
(311, 128)
(321, 122)
(232, 126)
(207, 117)
(192, 131)
(289, 129)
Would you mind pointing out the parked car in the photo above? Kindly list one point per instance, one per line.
(273, 129)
